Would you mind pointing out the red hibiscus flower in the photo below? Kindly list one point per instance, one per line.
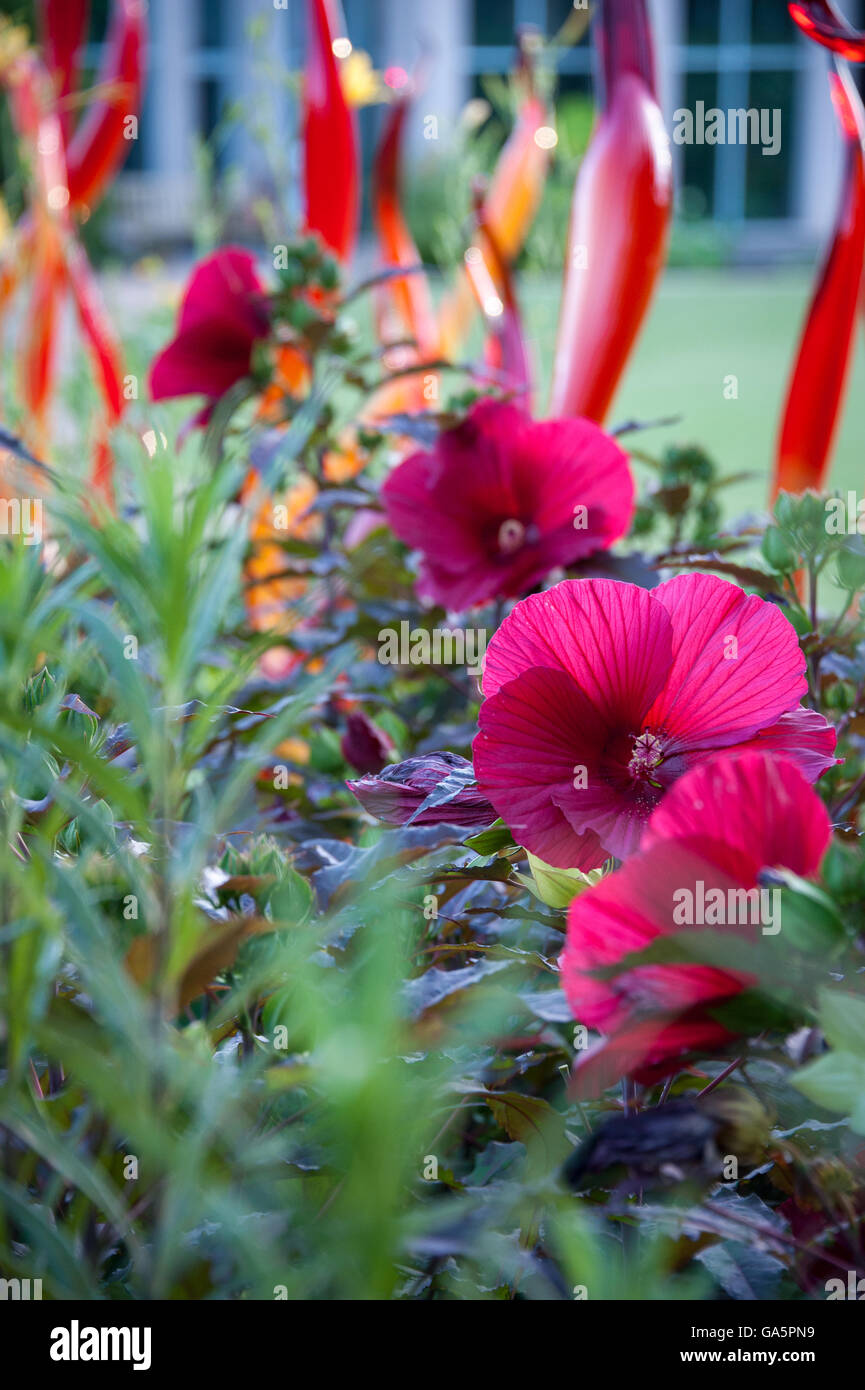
(724, 823)
(223, 314)
(599, 695)
(501, 500)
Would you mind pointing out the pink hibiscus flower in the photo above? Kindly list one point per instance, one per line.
(223, 314)
(724, 823)
(599, 695)
(501, 500)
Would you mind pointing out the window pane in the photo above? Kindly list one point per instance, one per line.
(211, 105)
(769, 175)
(771, 23)
(702, 21)
(211, 22)
(697, 197)
(494, 21)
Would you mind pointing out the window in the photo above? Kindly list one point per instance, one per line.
(701, 21)
(768, 178)
(494, 22)
(697, 169)
(740, 54)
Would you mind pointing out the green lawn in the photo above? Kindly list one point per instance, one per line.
(704, 326)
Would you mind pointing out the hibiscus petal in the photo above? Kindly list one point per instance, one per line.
(611, 638)
(458, 590)
(737, 664)
(655, 1013)
(225, 288)
(804, 737)
(648, 1051)
(532, 734)
(222, 315)
(718, 827)
(422, 518)
(203, 360)
(756, 810)
(564, 486)
(587, 468)
(625, 913)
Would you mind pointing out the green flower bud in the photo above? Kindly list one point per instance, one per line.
(811, 520)
(709, 514)
(839, 696)
(785, 510)
(777, 551)
(689, 462)
(328, 275)
(800, 622)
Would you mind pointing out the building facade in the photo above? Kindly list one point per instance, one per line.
(209, 57)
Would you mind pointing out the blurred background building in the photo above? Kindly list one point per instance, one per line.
(210, 58)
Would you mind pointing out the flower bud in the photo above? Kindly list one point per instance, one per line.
(777, 551)
(443, 780)
(364, 745)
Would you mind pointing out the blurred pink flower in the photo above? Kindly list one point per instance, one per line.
(223, 314)
(501, 500)
(599, 695)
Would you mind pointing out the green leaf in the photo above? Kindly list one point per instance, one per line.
(836, 1081)
(743, 1271)
(490, 841)
(557, 887)
(809, 919)
(842, 1018)
(435, 985)
(857, 1116)
(532, 1121)
(292, 898)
